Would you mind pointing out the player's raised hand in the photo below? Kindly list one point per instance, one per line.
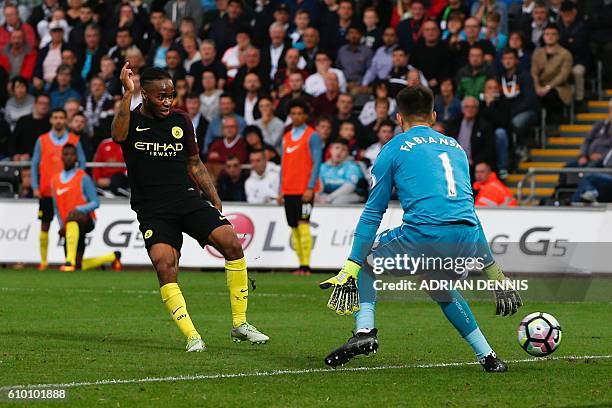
(507, 301)
(345, 296)
(126, 77)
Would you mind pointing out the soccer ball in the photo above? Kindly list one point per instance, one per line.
(539, 334)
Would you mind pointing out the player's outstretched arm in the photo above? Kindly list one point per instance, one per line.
(121, 122)
(197, 169)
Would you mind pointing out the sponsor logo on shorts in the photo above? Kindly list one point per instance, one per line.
(148, 234)
(177, 132)
(159, 149)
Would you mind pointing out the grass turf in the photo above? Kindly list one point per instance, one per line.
(83, 327)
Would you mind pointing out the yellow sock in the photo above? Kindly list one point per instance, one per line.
(305, 243)
(91, 263)
(72, 241)
(237, 283)
(295, 241)
(44, 246)
(175, 303)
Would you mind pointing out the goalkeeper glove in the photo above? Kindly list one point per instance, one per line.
(345, 297)
(507, 301)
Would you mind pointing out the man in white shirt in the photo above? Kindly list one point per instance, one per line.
(315, 83)
(262, 186)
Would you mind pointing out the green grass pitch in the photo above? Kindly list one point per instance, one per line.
(58, 328)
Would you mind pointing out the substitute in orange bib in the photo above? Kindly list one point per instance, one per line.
(302, 151)
(491, 192)
(46, 162)
(74, 201)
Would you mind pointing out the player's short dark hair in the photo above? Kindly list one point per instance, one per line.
(415, 102)
(151, 74)
(298, 103)
(59, 110)
(69, 146)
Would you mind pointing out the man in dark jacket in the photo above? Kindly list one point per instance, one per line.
(574, 37)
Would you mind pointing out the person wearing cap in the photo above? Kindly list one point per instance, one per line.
(574, 38)
(50, 57)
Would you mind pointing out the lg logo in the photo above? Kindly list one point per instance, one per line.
(530, 245)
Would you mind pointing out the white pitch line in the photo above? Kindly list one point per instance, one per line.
(201, 377)
(138, 292)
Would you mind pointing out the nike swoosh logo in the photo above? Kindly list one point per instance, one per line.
(139, 129)
(292, 149)
(191, 189)
(222, 218)
(61, 191)
(176, 310)
(244, 290)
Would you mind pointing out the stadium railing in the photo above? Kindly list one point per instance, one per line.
(533, 171)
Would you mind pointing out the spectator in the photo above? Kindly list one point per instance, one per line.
(518, 97)
(454, 8)
(593, 189)
(77, 125)
(112, 179)
(20, 104)
(325, 104)
(573, 37)
(64, 91)
(368, 112)
(233, 57)
(153, 31)
(473, 133)
(597, 144)
(263, 184)
(519, 15)
(107, 73)
(339, 176)
(347, 132)
(429, 53)
(247, 105)
(227, 108)
(231, 183)
(272, 128)
(123, 42)
(600, 23)
(515, 42)
(28, 128)
(324, 128)
(43, 11)
(447, 105)
(498, 38)
(482, 10)
(533, 28)
(255, 142)
(409, 31)
(551, 67)
(315, 83)
(369, 135)
(223, 30)
(311, 48)
(491, 192)
(157, 54)
(336, 28)
(454, 42)
(132, 17)
(292, 64)
(373, 34)
(210, 97)
(174, 65)
(98, 105)
(345, 112)
(207, 62)
(354, 58)
(88, 57)
(199, 122)
(301, 22)
(230, 145)
(494, 112)
(472, 39)
(296, 91)
(76, 35)
(136, 59)
(179, 9)
(252, 65)
(386, 131)
(382, 61)
(399, 69)
(25, 187)
(13, 22)
(273, 56)
(49, 58)
(471, 78)
(17, 58)
(189, 43)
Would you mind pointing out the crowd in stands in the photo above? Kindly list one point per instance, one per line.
(237, 64)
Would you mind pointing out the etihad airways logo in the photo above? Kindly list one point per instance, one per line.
(159, 149)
